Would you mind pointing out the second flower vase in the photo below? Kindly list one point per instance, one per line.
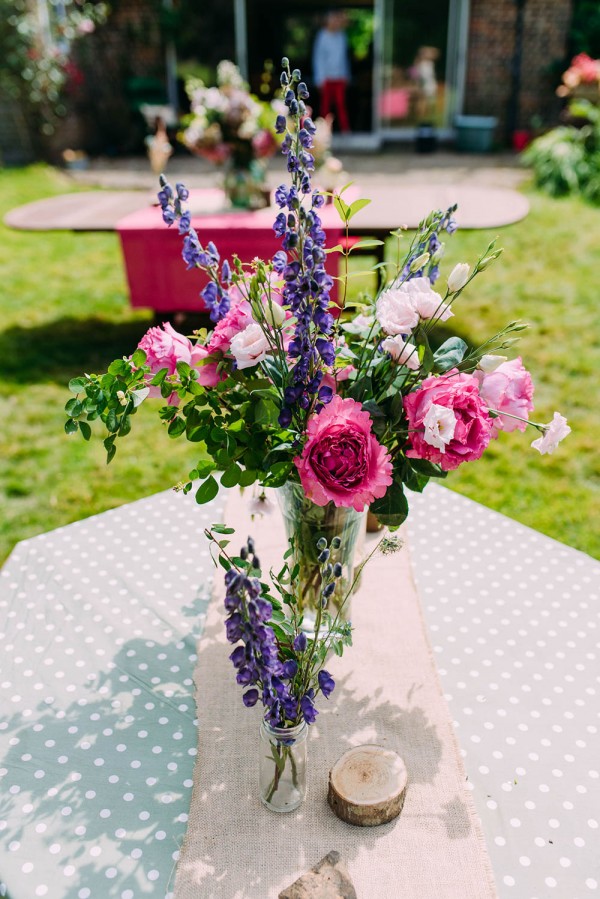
(282, 771)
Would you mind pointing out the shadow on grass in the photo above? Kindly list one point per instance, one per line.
(64, 348)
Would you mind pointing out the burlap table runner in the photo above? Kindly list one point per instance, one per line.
(387, 692)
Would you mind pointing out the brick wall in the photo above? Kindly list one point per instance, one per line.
(491, 48)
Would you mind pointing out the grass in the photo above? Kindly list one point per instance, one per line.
(64, 310)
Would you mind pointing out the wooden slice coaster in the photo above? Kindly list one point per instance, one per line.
(367, 786)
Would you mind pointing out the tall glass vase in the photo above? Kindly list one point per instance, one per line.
(282, 769)
(305, 523)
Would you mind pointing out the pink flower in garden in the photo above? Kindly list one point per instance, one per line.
(164, 348)
(459, 393)
(238, 318)
(342, 461)
(508, 388)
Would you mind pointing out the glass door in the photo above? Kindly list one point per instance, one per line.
(422, 64)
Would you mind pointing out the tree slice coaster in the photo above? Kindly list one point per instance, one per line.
(367, 786)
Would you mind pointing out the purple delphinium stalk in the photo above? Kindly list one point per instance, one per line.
(307, 285)
(257, 660)
(195, 255)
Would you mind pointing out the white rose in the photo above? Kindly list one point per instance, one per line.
(401, 352)
(249, 347)
(395, 310)
(554, 432)
(490, 363)
(458, 277)
(440, 424)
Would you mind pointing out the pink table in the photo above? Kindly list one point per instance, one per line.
(156, 273)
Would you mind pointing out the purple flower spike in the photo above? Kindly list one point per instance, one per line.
(326, 683)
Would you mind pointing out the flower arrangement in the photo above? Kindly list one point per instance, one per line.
(349, 402)
(227, 123)
(583, 72)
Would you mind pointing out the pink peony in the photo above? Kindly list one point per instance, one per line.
(237, 319)
(342, 461)
(164, 349)
(508, 388)
(473, 430)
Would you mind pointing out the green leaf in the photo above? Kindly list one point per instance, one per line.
(77, 384)
(247, 477)
(74, 408)
(138, 358)
(159, 377)
(391, 509)
(176, 427)
(112, 422)
(110, 454)
(85, 429)
(71, 426)
(222, 529)
(450, 354)
(366, 244)
(429, 469)
(119, 367)
(342, 208)
(231, 476)
(125, 426)
(207, 491)
(204, 468)
(356, 207)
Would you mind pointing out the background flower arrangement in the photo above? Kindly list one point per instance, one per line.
(229, 126)
(566, 160)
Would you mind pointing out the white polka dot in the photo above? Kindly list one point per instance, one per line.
(110, 873)
(525, 861)
(153, 874)
(508, 880)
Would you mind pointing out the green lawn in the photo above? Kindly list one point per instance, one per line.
(64, 310)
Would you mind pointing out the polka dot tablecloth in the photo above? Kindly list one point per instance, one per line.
(514, 621)
(99, 622)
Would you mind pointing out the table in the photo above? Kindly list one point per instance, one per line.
(99, 625)
(156, 274)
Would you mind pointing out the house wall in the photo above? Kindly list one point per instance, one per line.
(490, 60)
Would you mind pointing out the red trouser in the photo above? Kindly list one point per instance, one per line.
(333, 92)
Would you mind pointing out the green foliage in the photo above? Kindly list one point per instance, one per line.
(566, 160)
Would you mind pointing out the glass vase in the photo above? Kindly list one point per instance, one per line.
(244, 185)
(282, 771)
(305, 523)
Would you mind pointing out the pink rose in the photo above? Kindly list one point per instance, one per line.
(472, 431)
(238, 318)
(508, 388)
(164, 349)
(250, 346)
(342, 461)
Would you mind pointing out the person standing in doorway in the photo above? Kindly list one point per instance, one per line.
(331, 67)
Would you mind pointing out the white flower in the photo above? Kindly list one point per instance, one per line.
(425, 300)
(401, 352)
(395, 310)
(440, 423)
(458, 277)
(490, 363)
(249, 347)
(554, 432)
(270, 312)
(359, 324)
